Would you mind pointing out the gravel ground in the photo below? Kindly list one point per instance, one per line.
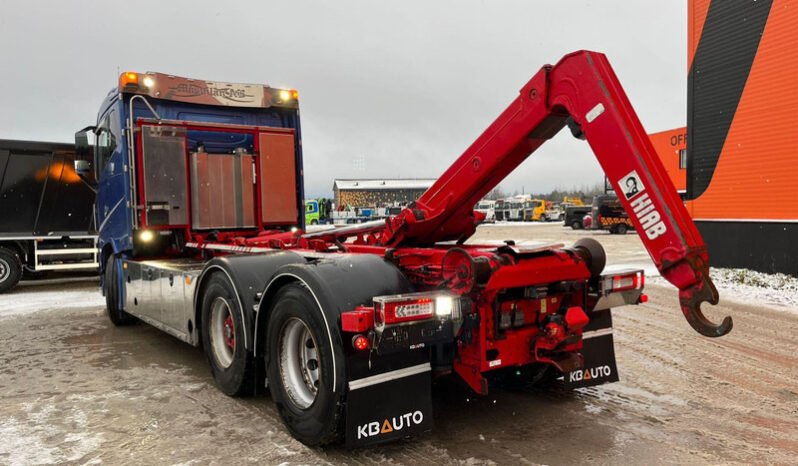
(76, 390)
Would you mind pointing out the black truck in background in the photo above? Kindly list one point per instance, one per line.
(607, 213)
(574, 214)
(46, 212)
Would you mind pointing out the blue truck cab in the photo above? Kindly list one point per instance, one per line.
(179, 160)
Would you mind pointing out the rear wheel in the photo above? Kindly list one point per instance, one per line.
(10, 269)
(621, 229)
(111, 285)
(300, 367)
(223, 338)
(576, 225)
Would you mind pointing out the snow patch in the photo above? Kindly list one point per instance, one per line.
(31, 300)
(42, 438)
(778, 290)
(775, 290)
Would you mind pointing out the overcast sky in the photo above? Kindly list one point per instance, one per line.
(387, 89)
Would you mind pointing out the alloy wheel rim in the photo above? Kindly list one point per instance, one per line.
(300, 368)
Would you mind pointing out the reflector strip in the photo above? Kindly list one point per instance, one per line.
(388, 376)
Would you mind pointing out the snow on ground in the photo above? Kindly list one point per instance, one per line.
(30, 299)
(773, 290)
(777, 290)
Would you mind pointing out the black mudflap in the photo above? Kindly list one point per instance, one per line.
(599, 354)
(389, 406)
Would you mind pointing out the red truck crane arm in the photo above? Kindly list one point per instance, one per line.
(580, 91)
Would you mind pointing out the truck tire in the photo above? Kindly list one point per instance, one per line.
(621, 229)
(544, 218)
(576, 225)
(314, 222)
(118, 316)
(10, 269)
(300, 367)
(231, 364)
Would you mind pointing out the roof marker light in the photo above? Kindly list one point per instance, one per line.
(128, 78)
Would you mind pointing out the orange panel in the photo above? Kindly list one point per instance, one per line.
(757, 173)
(668, 144)
(278, 178)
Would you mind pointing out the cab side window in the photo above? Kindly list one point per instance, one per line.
(106, 140)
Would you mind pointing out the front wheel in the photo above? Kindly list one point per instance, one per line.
(576, 225)
(621, 230)
(223, 338)
(301, 368)
(10, 269)
(116, 312)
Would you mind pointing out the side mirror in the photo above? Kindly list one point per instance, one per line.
(82, 146)
(83, 168)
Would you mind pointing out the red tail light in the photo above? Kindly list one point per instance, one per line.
(628, 281)
(406, 310)
(360, 342)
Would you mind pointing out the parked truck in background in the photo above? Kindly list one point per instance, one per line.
(348, 326)
(574, 216)
(553, 212)
(317, 211)
(514, 210)
(46, 212)
(487, 207)
(607, 213)
(312, 215)
(535, 210)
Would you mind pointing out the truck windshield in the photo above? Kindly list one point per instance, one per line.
(220, 142)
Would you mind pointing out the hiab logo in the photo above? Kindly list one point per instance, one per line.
(643, 208)
(385, 427)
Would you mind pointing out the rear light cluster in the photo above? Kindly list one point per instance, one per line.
(421, 308)
(410, 310)
(412, 306)
(623, 281)
(627, 282)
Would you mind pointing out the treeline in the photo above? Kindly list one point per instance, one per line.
(585, 192)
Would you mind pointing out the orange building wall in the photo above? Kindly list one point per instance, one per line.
(756, 177)
(668, 144)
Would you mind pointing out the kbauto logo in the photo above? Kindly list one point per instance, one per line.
(590, 374)
(371, 429)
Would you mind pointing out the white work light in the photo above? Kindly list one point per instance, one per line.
(444, 306)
